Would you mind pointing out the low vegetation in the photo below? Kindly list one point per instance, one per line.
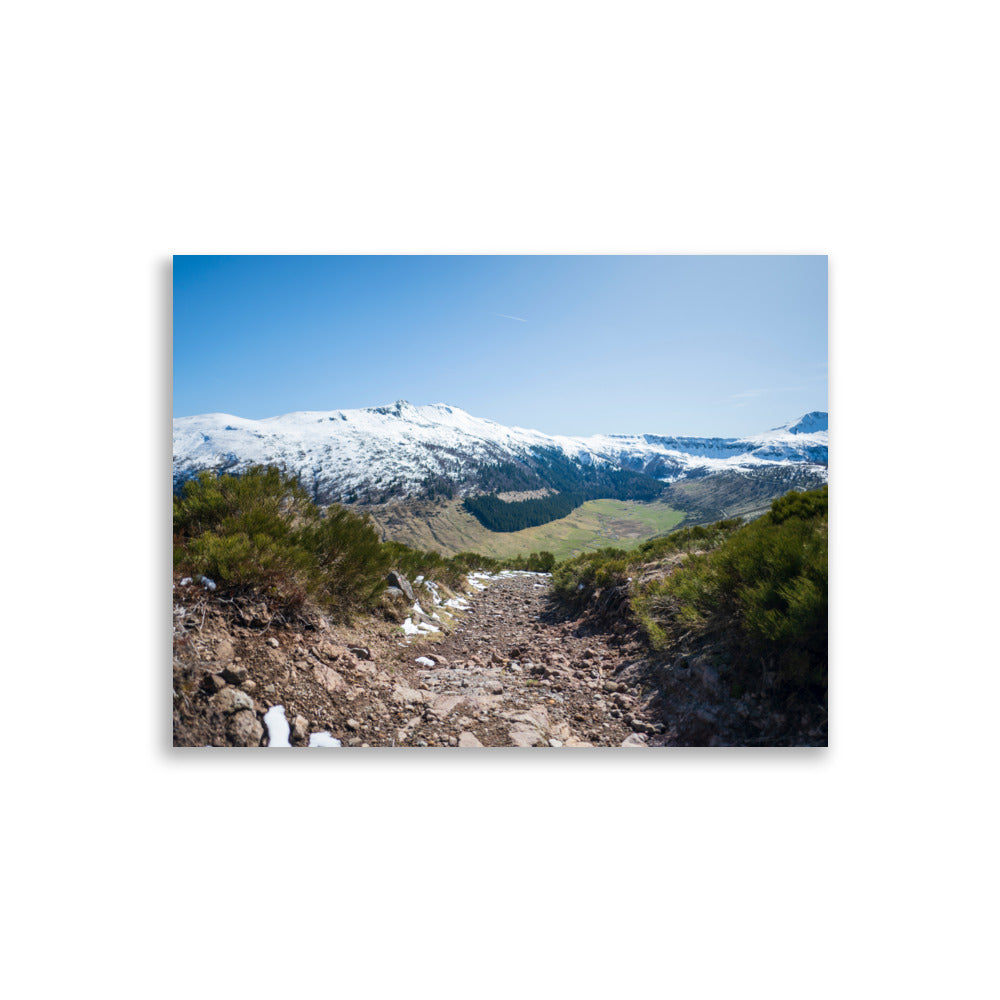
(260, 533)
(576, 580)
(767, 579)
(763, 584)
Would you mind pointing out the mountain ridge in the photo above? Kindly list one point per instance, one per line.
(402, 449)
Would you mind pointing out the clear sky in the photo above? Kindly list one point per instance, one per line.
(705, 345)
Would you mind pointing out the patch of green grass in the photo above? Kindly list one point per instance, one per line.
(596, 524)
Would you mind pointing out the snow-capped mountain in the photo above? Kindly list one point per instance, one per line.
(401, 450)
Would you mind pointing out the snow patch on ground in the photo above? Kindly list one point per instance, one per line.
(278, 730)
(424, 661)
(323, 739)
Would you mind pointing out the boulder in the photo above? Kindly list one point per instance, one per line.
(400, 582)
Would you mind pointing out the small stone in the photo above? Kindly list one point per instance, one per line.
(634, 740)
(361, 652)
(453, 741)
(236, 673)
(230, 700)
(214, 682)
(249, 686)
(300, 729)
(555, 743)
(273, 643)
(353, 724)
(243, 729)
(355, 742)
(329, 678)
(468, 740)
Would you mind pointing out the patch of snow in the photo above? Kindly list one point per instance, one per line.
(186, 581)
(409, 628)
(278, 730)
(207, 584)
(323, 739)
(424, 661)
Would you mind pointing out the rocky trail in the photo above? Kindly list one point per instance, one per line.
(508, 671)
(515, 673)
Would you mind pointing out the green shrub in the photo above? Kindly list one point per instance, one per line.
(769, 578)
(350, 562)
(259, 532)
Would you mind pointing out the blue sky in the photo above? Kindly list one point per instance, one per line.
(706, 345)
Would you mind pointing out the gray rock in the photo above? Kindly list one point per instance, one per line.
(273, 643)
(244, 729)
(300, 729)
(230, 700)
(468, 740)
(634, 740)
(398, 580)
(353, 724)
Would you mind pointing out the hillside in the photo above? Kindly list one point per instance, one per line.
(449, 529)
(311, 632)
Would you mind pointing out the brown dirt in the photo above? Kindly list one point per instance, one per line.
(510, 672)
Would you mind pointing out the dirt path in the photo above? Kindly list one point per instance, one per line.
(509, 672)
(517, 673)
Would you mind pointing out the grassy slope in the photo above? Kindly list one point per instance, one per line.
(448, 529)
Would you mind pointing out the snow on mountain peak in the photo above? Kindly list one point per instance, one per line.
(401, 449)
(811, 423)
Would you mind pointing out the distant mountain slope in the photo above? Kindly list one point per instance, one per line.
(381, 453)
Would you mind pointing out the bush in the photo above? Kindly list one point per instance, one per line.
(259, 532)
(241, 532)
(769, 578)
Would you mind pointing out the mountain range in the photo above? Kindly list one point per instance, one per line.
(399, 451)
